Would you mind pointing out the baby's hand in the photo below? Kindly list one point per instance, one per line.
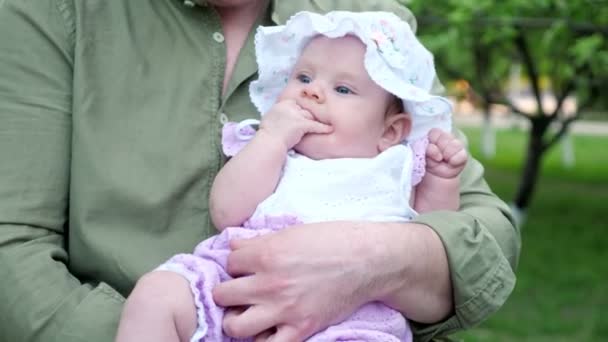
(445, 154)
(289, 122)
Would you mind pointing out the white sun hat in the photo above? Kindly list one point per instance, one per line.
(394, 59)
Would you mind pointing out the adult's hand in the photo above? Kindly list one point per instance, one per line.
(305, 278)
(298, 280)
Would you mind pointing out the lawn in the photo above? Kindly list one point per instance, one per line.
(562, 284)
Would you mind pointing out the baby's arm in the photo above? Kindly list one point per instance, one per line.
(247, 179)
(253, 173)
(446, 157)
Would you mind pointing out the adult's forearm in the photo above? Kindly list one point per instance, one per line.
(482, 246)
(416, 277)
(41, 300)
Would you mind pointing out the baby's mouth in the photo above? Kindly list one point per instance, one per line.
(321, 121)
(314, 115)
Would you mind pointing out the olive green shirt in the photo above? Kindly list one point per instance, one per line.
(110, 117)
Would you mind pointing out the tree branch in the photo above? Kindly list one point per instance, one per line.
(560, 99)
(578, 27)
(560, 133)
(516, 110)
(520, 42)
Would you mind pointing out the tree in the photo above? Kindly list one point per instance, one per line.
(563, 42)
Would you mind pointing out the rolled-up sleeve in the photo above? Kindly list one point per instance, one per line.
(41, 300)
(482, 243)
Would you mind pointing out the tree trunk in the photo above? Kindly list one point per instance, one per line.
(532, 165)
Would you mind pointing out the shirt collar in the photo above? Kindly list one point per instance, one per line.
(280, 10)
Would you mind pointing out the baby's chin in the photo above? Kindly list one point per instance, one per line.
(308, 151)
(315, 146)
(324, 146)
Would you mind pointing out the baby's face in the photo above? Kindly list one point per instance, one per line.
(330, 81)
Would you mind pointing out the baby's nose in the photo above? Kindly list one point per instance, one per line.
(314, 92)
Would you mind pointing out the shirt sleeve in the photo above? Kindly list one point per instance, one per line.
(482, 243)
(41, 299)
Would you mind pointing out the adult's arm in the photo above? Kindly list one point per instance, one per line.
(41, 300)
(482, 244)
(450, 270)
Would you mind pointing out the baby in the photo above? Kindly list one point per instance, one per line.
(349, 131)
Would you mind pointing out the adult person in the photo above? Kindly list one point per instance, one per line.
(110, 113)
(333, 144)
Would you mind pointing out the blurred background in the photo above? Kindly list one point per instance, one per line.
(529, 79)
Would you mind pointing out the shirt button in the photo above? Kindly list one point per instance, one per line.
(189, 3)
(223, 118)
(218, 37)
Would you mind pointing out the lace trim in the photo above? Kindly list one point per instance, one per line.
(419, 148)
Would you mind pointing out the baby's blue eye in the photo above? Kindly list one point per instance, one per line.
(303, 78)
(343, 90)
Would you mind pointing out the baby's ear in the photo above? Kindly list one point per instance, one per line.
(396, 129)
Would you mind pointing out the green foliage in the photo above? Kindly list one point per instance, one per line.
(567, 40)
(589, 50)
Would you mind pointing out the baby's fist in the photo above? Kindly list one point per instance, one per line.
(446, 155)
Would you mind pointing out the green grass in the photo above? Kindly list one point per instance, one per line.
(562, 284)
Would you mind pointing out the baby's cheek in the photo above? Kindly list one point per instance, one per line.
(353, 146)
(286, 94)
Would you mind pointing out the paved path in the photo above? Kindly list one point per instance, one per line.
(581, 127)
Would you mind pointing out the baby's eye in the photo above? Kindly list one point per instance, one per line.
(303, 78)
(343, 90)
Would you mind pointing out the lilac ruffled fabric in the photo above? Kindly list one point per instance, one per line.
(231, 143)
(206, 267)
(419, 147)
